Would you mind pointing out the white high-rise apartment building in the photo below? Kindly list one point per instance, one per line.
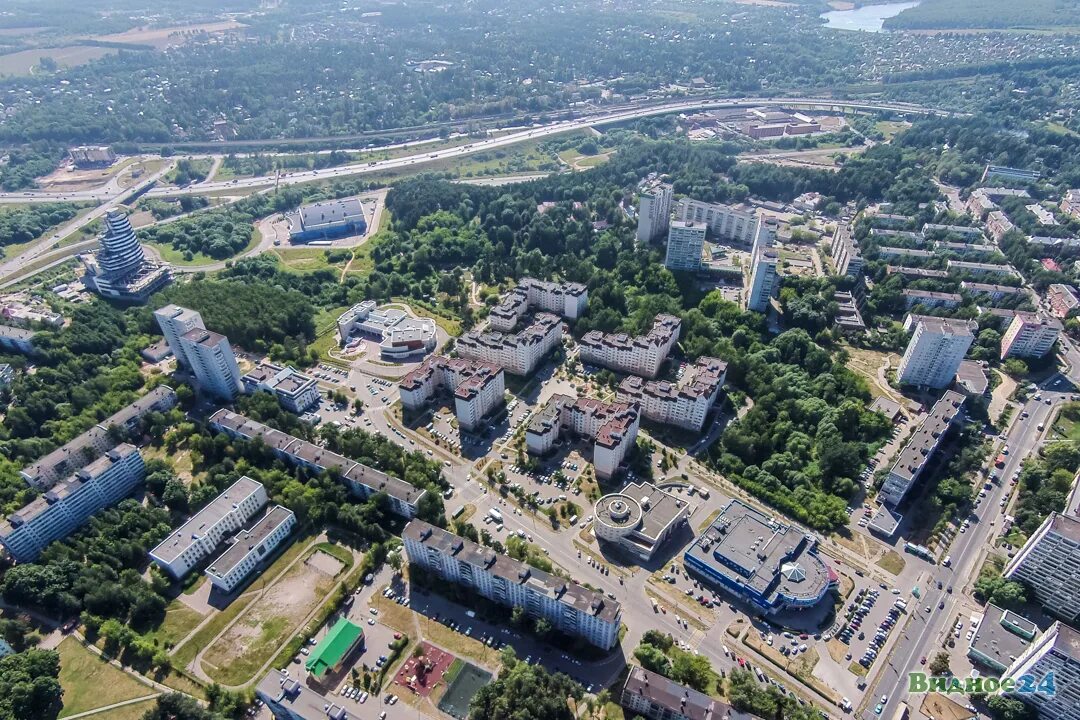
(1049, 563)
(175, 322)
(654, 212)
(1057, 651)
(1030, 335)
(764, 280)
(213, 361)
(569, 607)
(730, 223)
(934, 353)
(685, 243)
(193, 541)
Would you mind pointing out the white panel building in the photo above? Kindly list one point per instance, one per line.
(1049, 563)
(197, 538)
(934, 353)
(175, 322)
(654, 211)
(1057, 651)
(685, 243)
(213, 362)
(1030, 335)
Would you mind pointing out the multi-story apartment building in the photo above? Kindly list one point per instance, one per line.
(295, 391)
(891, 221)
(193, 541)
(478, 387)
(612, 426)
(249, 548)
(989, 292)
(973, 268)
(685, 243)
(966, 234)
(845, 252)
(1049, 563)
(918, 453)
(1030, 335)
(886, 252)
(929, 299)
(567, 300)
(654, 211)
(914, 272)
(1057, 651)
(569, 607)
(213, 362)
(1070, 203)
(893, 235)
(934, 352)
(1001, 172)
(737, 224)
(98, 440)
(518, 353)
(1062, 300)
(70, 503)
(652, 696)
(640, 355)
(362, 480)
(175, 322)
(998, 224)
(764, 281)
(685, 404)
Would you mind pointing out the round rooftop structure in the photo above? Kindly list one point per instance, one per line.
(617, 515)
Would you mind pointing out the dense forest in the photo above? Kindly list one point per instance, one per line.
(962, 14)
(24, 224)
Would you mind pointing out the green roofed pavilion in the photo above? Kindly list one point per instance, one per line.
(328, 655)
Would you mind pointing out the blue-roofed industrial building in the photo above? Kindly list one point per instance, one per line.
(327, 220)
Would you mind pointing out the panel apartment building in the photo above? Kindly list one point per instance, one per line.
(918, 453)
(250, 547)
(613, 427)
(567, 300)
(764, 281)
(518, 354)
(685, 244)
(98, 440)
(1030, 335)
(845, 252)
(569, 607)
(685, 404)
(934, 352)
(478, 387)
(68, 504)
(655, 697)
(362, 480)
(738, 224)
(175, 322)
(213, 362)
(1057, 651)
(640, 355)
(1049, 563)
(654, 211)
(197, 538)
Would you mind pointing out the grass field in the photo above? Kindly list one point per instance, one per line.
(892, 562)
(89, 682)
(24, 61)
(179, 621)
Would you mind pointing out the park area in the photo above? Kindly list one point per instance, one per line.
(421, 673)
(241, 651)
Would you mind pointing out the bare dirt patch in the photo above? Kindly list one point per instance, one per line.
(252, 640)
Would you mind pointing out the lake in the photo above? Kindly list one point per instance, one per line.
(868, 17)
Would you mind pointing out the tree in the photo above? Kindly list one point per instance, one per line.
(652, 658)
(1007, 708)
(175, 706)
(394, 560)
(692, 670)
(29, 685)
(526, 692)
(940, 664)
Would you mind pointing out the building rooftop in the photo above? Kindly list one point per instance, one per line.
(1002, 636)
(662, 331)
(702, 379)
(915, 272)
(185, 536)
(16, 333)
(640, 505)
(755, 550)
(200, 336)
(565, 591)
(928, 295)
(248, 540)
(472, 375)
(946, 326)
(330, 212)
(300, 700)
(925, 439)
(971, 377)
(678, 700)
(333, 647)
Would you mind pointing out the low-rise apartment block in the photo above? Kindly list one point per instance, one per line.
(932, 231)
(295, 391)
(914, 272)
(98, 440)
(1049, 563)
(989, 292)
(639, 355)
(250, 547)
(69, 503)
(1030, 335)
(197, 538)
(519, 353)
(1001, 172)
(929, 299)
(1070, 203)
(1062, 300)
(362, 480)
(567, 300)
(918, 453)
(1057, 651)
(613, 427)
(570, 608)
(478, 387)
(685, 404)
(892, 235)
(654, 697)
(974, 268)
(998, 225)
(848, 318)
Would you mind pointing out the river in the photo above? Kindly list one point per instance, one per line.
(868, 17)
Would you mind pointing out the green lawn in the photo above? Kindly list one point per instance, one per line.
(179, 621)
(89, 682)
